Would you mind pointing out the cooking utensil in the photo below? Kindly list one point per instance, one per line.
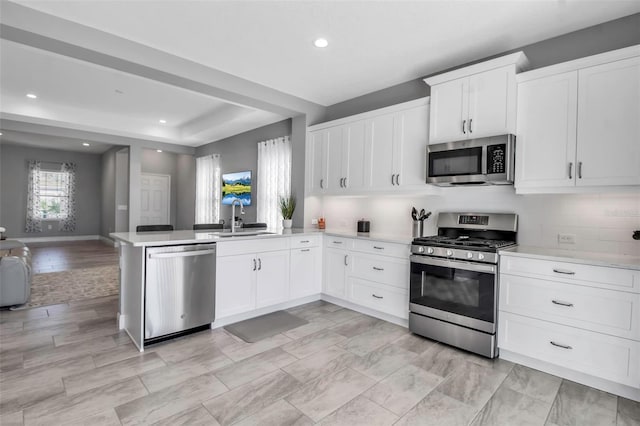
(414, 213)
(421, 216)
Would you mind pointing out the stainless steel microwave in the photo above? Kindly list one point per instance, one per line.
(482, 161)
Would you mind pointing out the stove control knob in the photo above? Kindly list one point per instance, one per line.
(469, 255)
(420, 249)
(480, 256)
(430, 250)
(449, 253)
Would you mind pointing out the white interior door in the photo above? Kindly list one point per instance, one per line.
(155, 193)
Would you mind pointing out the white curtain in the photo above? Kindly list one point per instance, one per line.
(274, 178)
(208, 189)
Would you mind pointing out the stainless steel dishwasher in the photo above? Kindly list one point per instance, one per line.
(180, 289)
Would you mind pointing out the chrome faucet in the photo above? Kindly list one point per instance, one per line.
(236, 201)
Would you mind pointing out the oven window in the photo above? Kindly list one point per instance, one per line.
(454, 290)
(467, 161)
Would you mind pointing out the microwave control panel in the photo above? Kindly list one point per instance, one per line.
(496, 155)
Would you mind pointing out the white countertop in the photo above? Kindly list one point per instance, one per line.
(584, 257)
(162, 238)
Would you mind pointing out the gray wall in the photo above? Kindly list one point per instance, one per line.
(180, 168)
(240, 153)
(108, 191)
(601, 38)
(13, 190)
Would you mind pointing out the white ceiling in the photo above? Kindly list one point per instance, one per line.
(373, 45)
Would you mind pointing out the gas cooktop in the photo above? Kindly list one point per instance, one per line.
(463, 241)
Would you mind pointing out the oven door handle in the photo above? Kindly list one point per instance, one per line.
(458, 264)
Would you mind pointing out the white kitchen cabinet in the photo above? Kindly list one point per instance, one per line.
(353, 155)
(475, 101)
(272, 278)
(572, 319)
(306, 272)
(336, 265)
(578, 124)
(335, 148)
(235, 285)
(398, 149)
(609, 124)
(546, 131)
(317, 161)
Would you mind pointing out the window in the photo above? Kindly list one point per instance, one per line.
(274, 179)
(54, 195)
(208, 188)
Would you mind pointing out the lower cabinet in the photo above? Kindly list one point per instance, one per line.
(272, 278)
(306, 272)
(573, 317)
(235, 284)
(336, 266)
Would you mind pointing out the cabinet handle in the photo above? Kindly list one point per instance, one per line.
(259, 264)
(559, 345)
(345, 260)
(392, 176)
(470, 121)
(378, 248)
(570, 170)
(398, 179)
(255, 265)
(345, 182)
(378, 269)
(321, 183)
(305, 250)
(376, 296)
(464, 123)
(337, 242)
(563, 271)
(304, 241)
(341, 182)
(561, 303)
(579, 169)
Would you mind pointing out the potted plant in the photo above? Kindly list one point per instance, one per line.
(287, 207)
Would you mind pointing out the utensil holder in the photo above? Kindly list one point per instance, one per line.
(417, 229)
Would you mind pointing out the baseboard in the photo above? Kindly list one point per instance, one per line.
(367, 311)
(575, 376)
(108, 241)
(57, 238)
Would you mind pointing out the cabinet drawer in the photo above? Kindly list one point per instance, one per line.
(381, 269)
(232, 248)
(338, 242)
(377, 247)
(597, 276)
(600, 355)
(379, 297)
(589, 308)
(303, 241)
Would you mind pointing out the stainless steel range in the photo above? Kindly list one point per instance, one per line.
(454, 282)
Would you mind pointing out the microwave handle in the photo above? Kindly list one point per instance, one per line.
(484, 160)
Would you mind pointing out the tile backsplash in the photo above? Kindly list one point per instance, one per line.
(599, 222)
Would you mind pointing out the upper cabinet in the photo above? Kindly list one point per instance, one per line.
(475, 101)
(579, 124)
(384, 150)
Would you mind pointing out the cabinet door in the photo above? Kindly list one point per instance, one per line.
(353, 155)
(381, 134)
(609, 124)
(336, 262)
(449, 110)
(272, 284)
(334, 158)
(305, 278)
(546, 132)
(492, 103)
(318, 161)
(235, 285)
(410, 147)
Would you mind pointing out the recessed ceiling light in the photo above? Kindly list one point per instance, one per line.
(0, 133)
(32, 96)
(162, 121)
(158, 150)
(321, 42)
(85, 144)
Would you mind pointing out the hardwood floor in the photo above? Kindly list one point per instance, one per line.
(65, 255)
(68, 364)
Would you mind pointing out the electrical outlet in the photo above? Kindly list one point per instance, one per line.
(49, 226)
(314, 221)
(566, 239)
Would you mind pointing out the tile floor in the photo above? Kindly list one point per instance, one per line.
(67, 364)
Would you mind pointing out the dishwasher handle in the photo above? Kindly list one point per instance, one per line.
(181, 254)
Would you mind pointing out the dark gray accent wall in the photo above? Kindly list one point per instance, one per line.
(240, 153)
(616, 34)
(13, 190)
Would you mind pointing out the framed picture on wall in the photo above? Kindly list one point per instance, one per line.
(236, 185)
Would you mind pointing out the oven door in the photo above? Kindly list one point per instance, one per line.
(455, 163)
(459, 292)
